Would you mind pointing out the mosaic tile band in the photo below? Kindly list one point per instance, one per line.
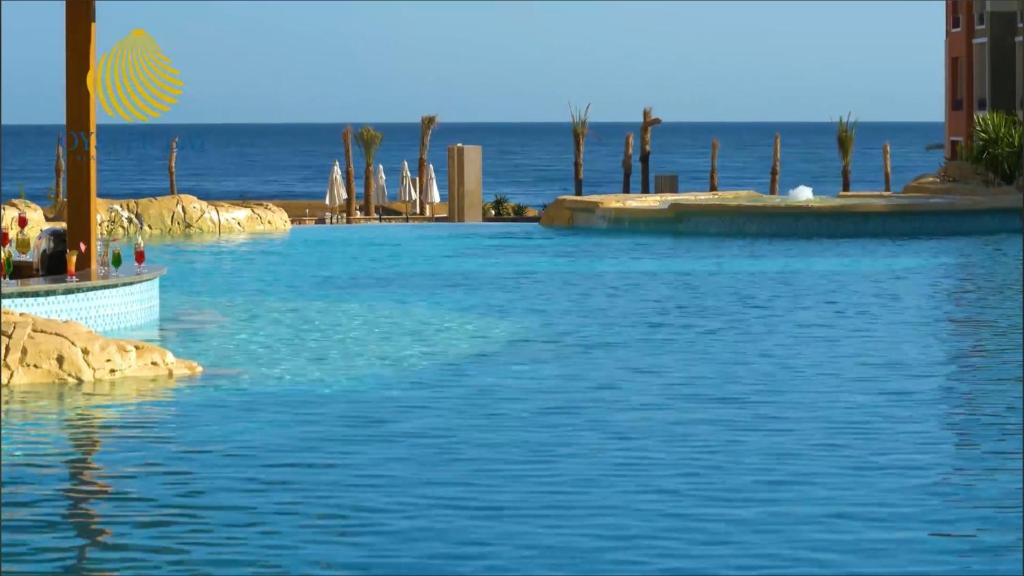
(102, 310)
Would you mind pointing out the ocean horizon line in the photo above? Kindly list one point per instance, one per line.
(476, 123)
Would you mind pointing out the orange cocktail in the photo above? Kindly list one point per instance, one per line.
(72, 260)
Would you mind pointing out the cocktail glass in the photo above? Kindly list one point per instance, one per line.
(5, 237)
(22, 219)
(22, 243)
(8, 263)
(72, 257)
(115, 259)
(140, 256)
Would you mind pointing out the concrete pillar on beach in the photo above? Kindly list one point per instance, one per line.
(80, 114)
(465, 183)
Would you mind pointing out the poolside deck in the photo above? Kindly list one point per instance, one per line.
(749, 213)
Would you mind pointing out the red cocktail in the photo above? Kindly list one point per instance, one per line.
(140, 255)
(5, 237)
(22, 220)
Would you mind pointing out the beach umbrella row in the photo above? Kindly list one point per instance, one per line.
(336, 193)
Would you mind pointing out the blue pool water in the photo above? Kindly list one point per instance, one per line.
(529, 162)
(506, 398)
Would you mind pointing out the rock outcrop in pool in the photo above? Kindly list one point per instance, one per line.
(40, 350)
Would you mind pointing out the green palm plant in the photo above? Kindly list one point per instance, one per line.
(580, 120)
(520, 209)
(427, 125)
(846, 133)
(501, 205)
(368, 141)
(997, 145)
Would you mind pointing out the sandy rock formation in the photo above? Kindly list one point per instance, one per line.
(36, 218)
(184, 214)
(40, 350)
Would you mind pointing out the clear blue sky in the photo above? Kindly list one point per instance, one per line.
(393, 61)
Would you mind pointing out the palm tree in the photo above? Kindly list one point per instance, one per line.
(580, 125)
(368, 141)
(350, 175)
(650, 121)
(627, 163)
(427, 124)
(846, 132)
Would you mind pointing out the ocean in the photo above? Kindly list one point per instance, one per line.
(531, 163)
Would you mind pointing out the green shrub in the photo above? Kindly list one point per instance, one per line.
(501, 205)
(996, 148)
(520, 209)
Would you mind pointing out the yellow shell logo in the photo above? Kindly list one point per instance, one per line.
(136, 79)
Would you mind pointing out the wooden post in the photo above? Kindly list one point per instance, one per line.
(650, 121)
(713, 184)
(172, 162)
(80, 115)
(350, 175)
(888, 167)
(627, 163)
(773, 186)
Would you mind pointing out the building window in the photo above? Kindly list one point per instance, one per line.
(979, 19)
(955, 149)
(982, 104)
(955, 24)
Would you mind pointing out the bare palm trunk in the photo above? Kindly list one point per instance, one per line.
(172, 162)
(773, 185)
(350, 175)
(578, 165)
(887, 162)
(368, 190)
(846, 177)
(713, 178)
(627, 163)
(427, 124)
(649, 122)
(58, 184)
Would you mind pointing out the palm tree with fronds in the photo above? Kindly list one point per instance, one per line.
(427, 125)
(846, 132)
(580, 126)
(368, 141)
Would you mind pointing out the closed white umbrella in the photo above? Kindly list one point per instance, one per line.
(431, 195)
(336, 193)
(406, 191)
(380, 189)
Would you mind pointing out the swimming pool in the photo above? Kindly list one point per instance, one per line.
(509, 398)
